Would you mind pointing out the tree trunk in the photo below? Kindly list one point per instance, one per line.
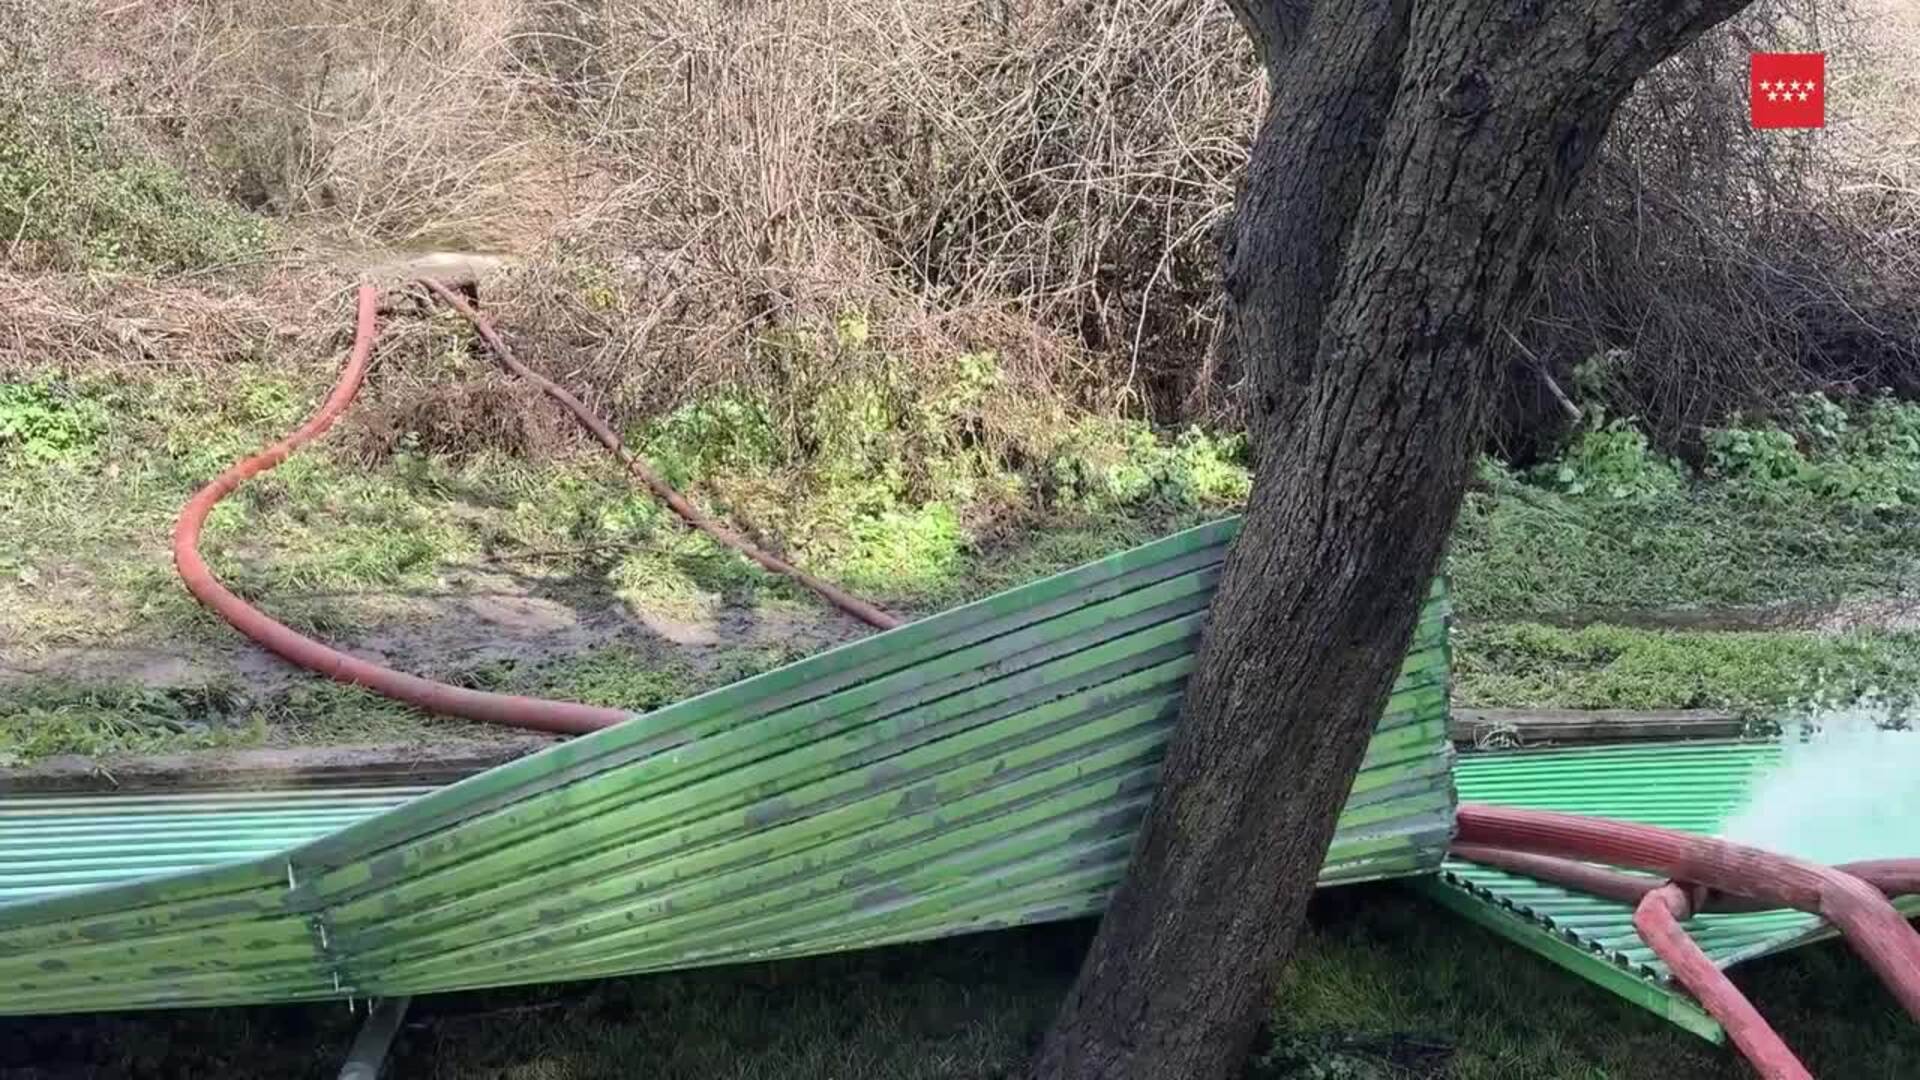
(1397, 203)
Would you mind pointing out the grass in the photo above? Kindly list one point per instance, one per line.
(1821, 503)
(97, 467)
(1523, 552)
(1378, 965)
(1606, 667)
(352, 549)
(57, 717)
(342, 548)
(46, 717)
(1378, 971)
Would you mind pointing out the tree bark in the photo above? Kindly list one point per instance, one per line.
(1397, 204)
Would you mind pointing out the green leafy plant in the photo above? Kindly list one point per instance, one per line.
(1765, 458)
(1610, 459)
(721, 433)
(45, 421)
(1866, 458)
(1104, 465)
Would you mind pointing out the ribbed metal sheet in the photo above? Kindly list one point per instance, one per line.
(1689, 786)
(62, 844)
(985, 767)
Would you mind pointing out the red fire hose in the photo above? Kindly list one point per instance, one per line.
(511, 710)
(1893, 877)
(1658, 919)
(1543, 843)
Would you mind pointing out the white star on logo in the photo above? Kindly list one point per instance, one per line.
(1764, 85)
(1771, 96)
(1810, 86)
(1803, 95)
(1794, 85)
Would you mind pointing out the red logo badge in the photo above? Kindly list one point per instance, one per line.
(1788, 90)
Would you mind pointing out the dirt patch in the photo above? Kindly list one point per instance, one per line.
(410, 764)
(484, 621)
(161, 667)
(498, 617)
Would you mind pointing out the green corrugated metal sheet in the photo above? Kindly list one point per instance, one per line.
(62, 844)
(1689, 786)
(984, 767)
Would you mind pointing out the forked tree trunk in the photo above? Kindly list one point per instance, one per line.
(1397, 205)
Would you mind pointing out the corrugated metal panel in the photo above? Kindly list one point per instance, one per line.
(1690, 786)
(985, 767)
(56, 845)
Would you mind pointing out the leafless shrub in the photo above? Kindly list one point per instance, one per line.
(1721, 267)
(693, 181)
(373, 122)
(948, 164)
(89, 324)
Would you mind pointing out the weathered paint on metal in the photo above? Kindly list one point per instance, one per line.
(1689, 786)
(985, 767)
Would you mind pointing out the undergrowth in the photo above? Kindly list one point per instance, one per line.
(46, 717)
(897, 500)
(893, 504)
(1602, 667)
(1385, 987)
(73, 196)
(1822, 504)
(68, 718)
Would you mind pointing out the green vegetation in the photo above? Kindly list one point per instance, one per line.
(72, 196)
(1601, 667)
(884, 474)
(46, 717)
(43, 422)
(1385, 987)
(343, 543)
(1817, 507)
(1865, 459)
(877, 488)
(1820, 506)
(57, 717)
